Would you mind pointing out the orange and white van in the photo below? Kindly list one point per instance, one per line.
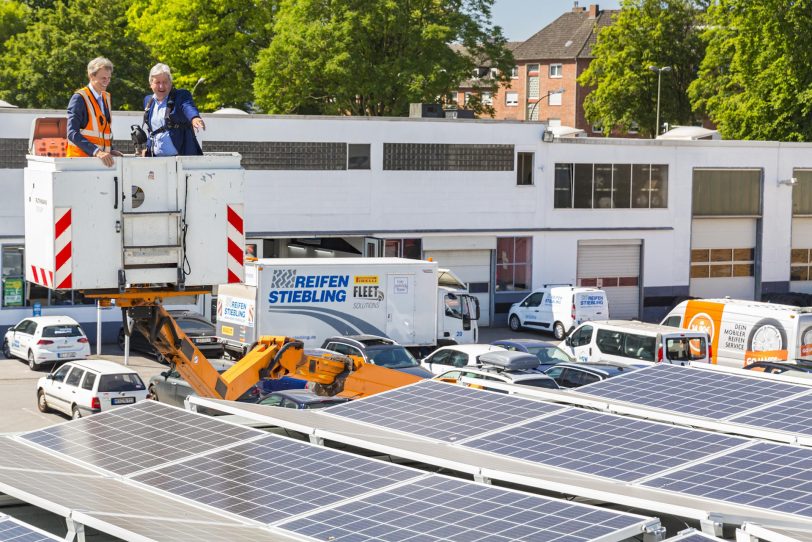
(743, 331)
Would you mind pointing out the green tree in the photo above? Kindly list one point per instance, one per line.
(45, 64)
(755, 81)
(374, 57)
(644, 33)
(13, 18)
(217, 40)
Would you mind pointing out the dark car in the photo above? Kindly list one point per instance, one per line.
(197, 328)
(574, 375)
(788, 368)
(300, 399)
(378, 351)
(549, 353)
(169, 387)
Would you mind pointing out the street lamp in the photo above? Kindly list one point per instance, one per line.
(533, 109)
(659, 72)
(194, 88)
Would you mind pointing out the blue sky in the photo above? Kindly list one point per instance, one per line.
(520, 19)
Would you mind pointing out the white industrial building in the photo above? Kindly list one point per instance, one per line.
(647, 220)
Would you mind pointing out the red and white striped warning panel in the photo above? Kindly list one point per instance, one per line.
(63, 277)
(39, 275)
(236, 243)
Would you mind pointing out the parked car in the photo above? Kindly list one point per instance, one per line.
(558, 309)
(300, 399)
(547, 352)
(515, 368)
(83, 387)
(46, 339)
(573, 375)
(169, 386)
(197, 328)
(456, 356)
(378, 351)
(788, 368)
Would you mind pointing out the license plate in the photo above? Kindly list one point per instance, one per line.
(64, 354)
(122, 400)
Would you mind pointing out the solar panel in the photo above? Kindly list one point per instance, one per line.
(441, 411)
(12, 530)
(770, 476)
(128, 439)
(693, 391)
(438, 508)
(274, 477)
(793, 416)
(604, 444)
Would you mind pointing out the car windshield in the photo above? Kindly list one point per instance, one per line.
(393, 357)
(62, 331)
(548, 383)
(547, 354)
(121, 382)
(322, 404)
(195, 326)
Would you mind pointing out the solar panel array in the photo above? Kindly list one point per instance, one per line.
(231, 474)
(689, 390)
(147, 434)
(441, 411)
(437, 508)
(604, 445)
(795, 416)
(12, 530)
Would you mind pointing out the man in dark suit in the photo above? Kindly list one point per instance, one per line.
(171, 117)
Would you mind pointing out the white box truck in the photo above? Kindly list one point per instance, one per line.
(312, 299)
(174, 221)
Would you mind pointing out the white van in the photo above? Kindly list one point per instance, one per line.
(558, 309)
(627, 341)
(744, 331)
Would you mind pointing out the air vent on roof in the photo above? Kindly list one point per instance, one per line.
(569, 42)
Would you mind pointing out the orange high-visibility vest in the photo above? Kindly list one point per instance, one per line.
(97, 130)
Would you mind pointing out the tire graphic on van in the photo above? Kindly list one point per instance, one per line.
(701, 322)
(767, 340)
(806, 342)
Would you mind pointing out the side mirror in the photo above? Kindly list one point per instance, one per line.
(166, 374)
(49, 376)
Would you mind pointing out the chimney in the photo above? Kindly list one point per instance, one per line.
(593, 11)
(576, 8)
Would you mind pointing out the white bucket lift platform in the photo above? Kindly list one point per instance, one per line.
(174, 222)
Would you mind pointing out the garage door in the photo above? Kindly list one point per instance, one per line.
(473, 267)
(800, 272)
(723, 257)
(613, 266)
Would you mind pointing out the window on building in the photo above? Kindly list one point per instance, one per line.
(467, 98)
(494, 73)
(555, 98)
(524, 168)
(487, 98)
(800, 264)
(532, 68)
(532, 111)
(514, 72)
(556, 70)
(802, 192)
(358, 156)
(597, 128)
(511, 99)
(403, 248)
(722, 262)
(513, 263)
(611, 186)
(727, 192)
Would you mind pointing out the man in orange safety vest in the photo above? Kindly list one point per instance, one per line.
(89, 115)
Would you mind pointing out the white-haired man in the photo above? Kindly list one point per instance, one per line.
(89, 115)
(170, 116)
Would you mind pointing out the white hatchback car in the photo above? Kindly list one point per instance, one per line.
(46, 339)
(83, 387)
(456, 356)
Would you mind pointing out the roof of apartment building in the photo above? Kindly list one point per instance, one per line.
(572, 35)
(483, 63)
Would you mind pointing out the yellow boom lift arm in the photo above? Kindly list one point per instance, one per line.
(271, 357)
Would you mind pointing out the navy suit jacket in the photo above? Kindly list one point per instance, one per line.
(77, 120)
(183, 111)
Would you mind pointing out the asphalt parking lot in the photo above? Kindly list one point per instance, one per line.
(18, 402)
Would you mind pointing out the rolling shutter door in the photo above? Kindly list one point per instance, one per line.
(801, 258)
(614, 267)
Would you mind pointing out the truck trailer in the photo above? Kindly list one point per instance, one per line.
(311, 299)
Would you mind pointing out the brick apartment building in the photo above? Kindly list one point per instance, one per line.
(547, 62)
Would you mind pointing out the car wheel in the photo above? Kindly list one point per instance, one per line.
(76, 413)
(6, 349)
(514, 323)
(42, 403)
(32, 363)
(558, 331)
(153, 394)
